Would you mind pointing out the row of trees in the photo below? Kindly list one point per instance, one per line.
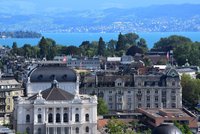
(126, 44)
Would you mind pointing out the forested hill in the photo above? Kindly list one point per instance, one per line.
(20, 34)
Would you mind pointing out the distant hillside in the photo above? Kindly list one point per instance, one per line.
(154, 18)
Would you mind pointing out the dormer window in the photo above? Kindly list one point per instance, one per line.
(64, 77)
(40, 77)
(52, 77)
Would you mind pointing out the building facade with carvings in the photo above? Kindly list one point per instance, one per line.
(126, 92)
(56, 111)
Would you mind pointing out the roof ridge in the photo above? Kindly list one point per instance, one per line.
(51, 90)
(63, 91)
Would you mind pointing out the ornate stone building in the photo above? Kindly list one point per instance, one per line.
(126, 92)
(56, 111)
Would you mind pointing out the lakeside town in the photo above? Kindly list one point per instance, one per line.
(100, 87)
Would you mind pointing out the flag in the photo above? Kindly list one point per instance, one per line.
(65, 59)
(167, 55)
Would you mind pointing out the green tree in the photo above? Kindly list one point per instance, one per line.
(43, 45)
(143, 45)
(190, 89)
(111, 47)
(102, 107)
(120, 43)
(116, 126)
(183, 128)
(14, 49)
(169, 43)
(101, 47)
(84, 47)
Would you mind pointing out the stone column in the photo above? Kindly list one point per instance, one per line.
(54, 115)
(61, 115)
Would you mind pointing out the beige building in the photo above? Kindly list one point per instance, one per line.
(9, 88)
(126, 92)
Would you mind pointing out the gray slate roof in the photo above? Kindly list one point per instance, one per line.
(54, 94)
(49, 73)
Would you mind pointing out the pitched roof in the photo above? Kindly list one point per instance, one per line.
(54, 94)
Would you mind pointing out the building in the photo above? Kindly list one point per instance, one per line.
(40, 77)
(156, 117)
(9, 88)
(126, 92)
(80, 62)
(56, 111)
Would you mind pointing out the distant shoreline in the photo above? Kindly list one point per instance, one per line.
(76, 39)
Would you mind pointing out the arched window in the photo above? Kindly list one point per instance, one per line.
(57, 117)
(87, 129)
(39, 118)
(86, 117)
(28, 130)
(65, 117)
(27, 118)
(77, 130)
(76, 117)
(39, 131)
(50, 118)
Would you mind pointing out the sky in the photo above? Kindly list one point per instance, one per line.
(35, 6)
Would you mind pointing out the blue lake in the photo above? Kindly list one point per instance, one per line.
(77, 38)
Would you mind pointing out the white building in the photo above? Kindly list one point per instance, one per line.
(56, 111)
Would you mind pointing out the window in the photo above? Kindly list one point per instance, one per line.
(50, 118)
(65, 117)
(173, 83)
(39, 131)
(156, 91)
(77, 130)
(87, 129)
(173, 98)
(28, 130)
(76, 117)
(148, 105)
(39, 109)
(39, 118)
(148, 91)
(173, 91)
(110, 98)
(139, 105)
(156, 98)
(57, 118)
(87, 117)
(156, 105)
(119, 99)
(148, 98)
(27, 118)
(173, 105)
(110, 92)
(110, 105)
(8, 107)
(129, 100)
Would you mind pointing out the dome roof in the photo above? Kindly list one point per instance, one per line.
(166, 129)
(49, 73)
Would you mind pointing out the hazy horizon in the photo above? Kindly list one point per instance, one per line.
(44, 6)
